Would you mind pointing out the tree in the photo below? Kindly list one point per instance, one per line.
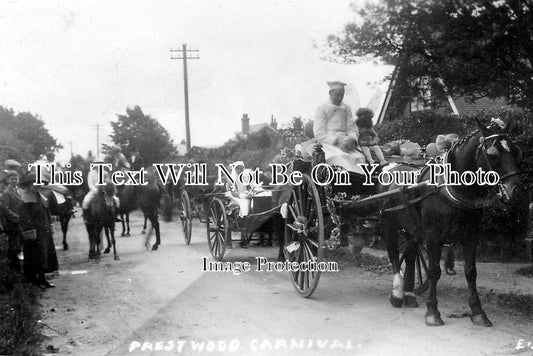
(137, 130)
(23, 136)
(476, 47)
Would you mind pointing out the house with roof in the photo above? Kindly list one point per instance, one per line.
(431, 95)
(270, 129)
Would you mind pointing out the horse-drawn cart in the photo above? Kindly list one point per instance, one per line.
(318, 215)
(192, 204)
(264, 216)
(212, 206)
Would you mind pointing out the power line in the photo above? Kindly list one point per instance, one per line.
(184, 55)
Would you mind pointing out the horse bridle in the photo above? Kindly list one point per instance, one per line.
(482, 150)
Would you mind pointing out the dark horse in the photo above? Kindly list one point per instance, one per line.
(442, 213)
(63, 211)
(102, 213)
(146, 197)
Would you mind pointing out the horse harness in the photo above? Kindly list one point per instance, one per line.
(443, 190)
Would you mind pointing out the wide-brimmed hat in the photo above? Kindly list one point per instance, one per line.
(30, 178)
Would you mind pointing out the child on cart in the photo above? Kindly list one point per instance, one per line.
(368, 138)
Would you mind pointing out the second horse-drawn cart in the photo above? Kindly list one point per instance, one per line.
(212, 206)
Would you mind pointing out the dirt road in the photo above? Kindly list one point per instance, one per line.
(160, 302)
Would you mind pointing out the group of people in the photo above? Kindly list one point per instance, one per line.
(25, 213)
(27, 223)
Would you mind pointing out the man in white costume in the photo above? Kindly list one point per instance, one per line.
(335, 129)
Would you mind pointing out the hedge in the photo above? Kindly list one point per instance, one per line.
(423, 127)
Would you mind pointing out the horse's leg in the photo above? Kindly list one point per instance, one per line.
(434, 252)
(128, 224)
(390, 231)
(123, 225)
(64, 220)
(409, 274)
(92, 239)
(144, 225)
(478, 315)
(155, 224)
(98, 239)
(106, 230)
(112, 232)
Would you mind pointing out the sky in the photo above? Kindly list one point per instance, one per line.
(77, 64)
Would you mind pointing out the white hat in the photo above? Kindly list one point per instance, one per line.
(336, 85)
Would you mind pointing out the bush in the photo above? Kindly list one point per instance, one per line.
(422, 127)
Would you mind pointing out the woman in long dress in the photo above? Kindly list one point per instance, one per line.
(36, 223)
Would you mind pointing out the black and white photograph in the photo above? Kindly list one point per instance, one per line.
(266, 177)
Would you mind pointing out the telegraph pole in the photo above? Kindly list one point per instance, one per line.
(97, 140)
(184, 55)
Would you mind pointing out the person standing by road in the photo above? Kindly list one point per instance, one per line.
(39, 249)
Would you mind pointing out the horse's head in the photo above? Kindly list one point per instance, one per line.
(496, 152)
(489, 149)
(108, 192)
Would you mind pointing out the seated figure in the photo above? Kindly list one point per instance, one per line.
(238, 192)
(94, 188)
(368, 138)
(334, 128)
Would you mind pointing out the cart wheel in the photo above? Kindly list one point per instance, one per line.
(218, 230)
(186, 216)
(421, 281)
(304, 234)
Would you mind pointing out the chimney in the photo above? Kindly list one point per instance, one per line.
(245, 124)
(273, 123)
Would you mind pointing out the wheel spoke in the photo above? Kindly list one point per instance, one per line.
(310, 253)
(313, 242)
(215, 243)
(293, 213)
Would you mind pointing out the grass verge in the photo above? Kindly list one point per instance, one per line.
(19, 320)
